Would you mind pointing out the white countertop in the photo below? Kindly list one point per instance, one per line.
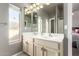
(53, 37)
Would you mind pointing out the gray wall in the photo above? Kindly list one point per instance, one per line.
(60, 26)
(44, 16)
(75, 19)
(5, 48)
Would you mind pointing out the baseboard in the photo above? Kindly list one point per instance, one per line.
(26, 53)
(17, 53)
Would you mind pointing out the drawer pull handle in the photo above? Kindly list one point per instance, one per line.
(43, 49)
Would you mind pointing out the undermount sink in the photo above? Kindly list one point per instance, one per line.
(46, 36)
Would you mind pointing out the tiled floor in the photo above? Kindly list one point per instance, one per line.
(75, 52)
(22, 54)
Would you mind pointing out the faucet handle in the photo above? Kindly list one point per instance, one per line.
(50, 35)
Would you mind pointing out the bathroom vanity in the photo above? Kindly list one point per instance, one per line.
(42, 45)
(48, 22)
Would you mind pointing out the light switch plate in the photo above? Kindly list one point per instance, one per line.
(65, 27)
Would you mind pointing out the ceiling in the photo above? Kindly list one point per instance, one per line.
(21, 5)
(48, 9)
(75, 6)
(51, 9)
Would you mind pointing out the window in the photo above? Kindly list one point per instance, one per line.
(14, 24)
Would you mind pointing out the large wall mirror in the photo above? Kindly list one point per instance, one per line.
(45, 19)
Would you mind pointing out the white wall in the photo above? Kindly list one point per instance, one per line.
(5, 48)
(67, 29)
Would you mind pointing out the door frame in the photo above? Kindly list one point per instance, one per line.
(50, 24)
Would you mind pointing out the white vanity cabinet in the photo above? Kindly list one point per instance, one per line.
(35, 46)
(25, 46)
(47, 48)
(50, 52)
(28, 45)
(40, 50)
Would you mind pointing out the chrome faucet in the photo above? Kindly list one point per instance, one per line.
(50, 35)
(35, 33)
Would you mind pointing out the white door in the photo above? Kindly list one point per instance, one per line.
(30, 48)
(52, 25)
(25, 46)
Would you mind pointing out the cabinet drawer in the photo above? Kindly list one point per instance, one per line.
(51, 52)
(51, 44)
(29, 39)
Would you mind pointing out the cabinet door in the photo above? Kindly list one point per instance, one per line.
(50, 52)
(38, 50)
(25, 46)
(30, 48)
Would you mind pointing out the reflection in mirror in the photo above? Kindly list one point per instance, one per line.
(30, 22)
(35, 22)
(45, 19)
(27, 22)
(52, 18)
(52, 25)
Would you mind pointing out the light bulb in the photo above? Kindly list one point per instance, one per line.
(31, 7)
(34, 5)
(38, 8)
(26, 10)
(41, 6)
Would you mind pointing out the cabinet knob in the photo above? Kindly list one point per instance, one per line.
(43, 49)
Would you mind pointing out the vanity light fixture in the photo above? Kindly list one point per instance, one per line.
(28, 12)
(33, 7)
